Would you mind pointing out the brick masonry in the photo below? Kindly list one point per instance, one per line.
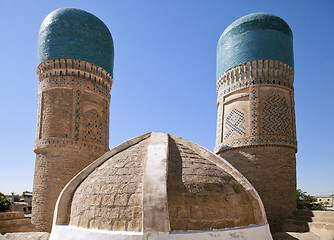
(111, 197)
(256, 131)
(72, 128)
(255, 106)
(157, 183)
(272, 171)
(202, 196)
(15, 222)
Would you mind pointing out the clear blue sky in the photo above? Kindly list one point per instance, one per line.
(164, 76)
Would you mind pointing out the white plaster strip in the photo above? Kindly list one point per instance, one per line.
(155, 205)
(67, 232)
(245, 233)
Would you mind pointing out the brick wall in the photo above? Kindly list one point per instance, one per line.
(72, 128)
(272, 171)
(202, 196)
(111, 197)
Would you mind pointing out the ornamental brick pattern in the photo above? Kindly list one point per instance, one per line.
(256, 131)
(72, 128)
(262, 93)
(276, 116)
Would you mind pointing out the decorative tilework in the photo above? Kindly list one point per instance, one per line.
(69, 81)
(93, 126)
(39, 110)
(234, 124)
(250, 38)
(106, 129)
(74, 33)
(258, 141)
(254, 100)
(80, 76)
(83, 70)
(276, 116)
(263, 72)
(77, 115)
(71, 143)
(219, 120)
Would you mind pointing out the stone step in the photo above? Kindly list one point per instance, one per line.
(295, 236)
(320, 223)
(19, 228)
(313, 219)
(291, 225)
(326, 214)
(324, 230)
(27, 236)
(326, 226)
(11, 215)
(14, 222)
(304, 236)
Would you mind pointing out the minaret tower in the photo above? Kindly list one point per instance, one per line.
(256, 129)
(75, 57)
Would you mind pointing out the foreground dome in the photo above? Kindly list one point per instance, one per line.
(75, 34)
(257, 36)
(159, 186)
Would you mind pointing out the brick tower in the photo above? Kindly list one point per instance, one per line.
(75, 57)
(256, 129)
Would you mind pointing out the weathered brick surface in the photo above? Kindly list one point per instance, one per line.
(11, 215)
(202, 196)
(15, 222)
(53, 169)
(72, 128)
(56, 102)
(272, 171)
(111, 196)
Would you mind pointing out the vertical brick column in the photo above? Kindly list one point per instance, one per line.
(256, 129)
(72, 128)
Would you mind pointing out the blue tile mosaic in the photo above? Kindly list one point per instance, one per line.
(234, 124)
(276, 116)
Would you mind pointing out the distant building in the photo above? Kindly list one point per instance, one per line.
(27, 197)
(328, 202)
(23, 204)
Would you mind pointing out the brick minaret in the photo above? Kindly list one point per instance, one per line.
(75, 56)
(256, 129)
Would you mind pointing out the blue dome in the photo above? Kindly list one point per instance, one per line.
(75, 34)
(257, 36)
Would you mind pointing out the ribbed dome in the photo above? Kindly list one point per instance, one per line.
(161, 186)
(257, 36)
(75, 34)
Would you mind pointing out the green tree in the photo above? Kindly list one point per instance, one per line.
(307, 202)
(17, 198)
(5, 204)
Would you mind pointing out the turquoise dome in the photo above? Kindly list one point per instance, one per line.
(75, 34)
(257, 36)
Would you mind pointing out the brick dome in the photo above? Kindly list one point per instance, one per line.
(159, 185)
(71, 33)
